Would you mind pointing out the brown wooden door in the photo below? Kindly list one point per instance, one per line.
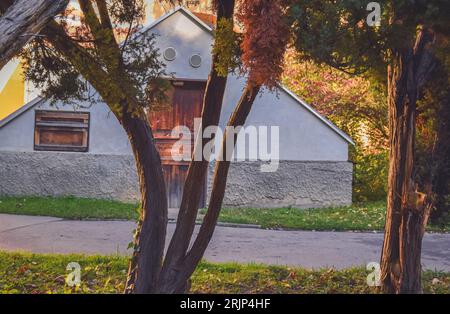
(186, 104)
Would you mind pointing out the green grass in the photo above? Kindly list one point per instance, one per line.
(33, 273)
(360, 217)
(68, 207)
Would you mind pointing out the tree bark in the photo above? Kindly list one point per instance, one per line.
(22, 21)
(186, 267)
(146, 262)
(212, 106)
(407, 209)
(113, 86)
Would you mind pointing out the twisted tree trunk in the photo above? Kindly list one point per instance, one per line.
(149, 246)
(114, 85)
(238, 118)
(178, 281)
(407, 209)
(21, 21)
(212, 106)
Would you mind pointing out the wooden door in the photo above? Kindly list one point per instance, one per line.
(186, 102)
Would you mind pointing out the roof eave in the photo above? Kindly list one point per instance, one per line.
(20, 111)
(172, 12)
(318, 115)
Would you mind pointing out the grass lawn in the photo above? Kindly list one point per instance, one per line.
(68, 207)
(361, 217)
(358, 217)
(34, 273)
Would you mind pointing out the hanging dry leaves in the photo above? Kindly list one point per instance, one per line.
(266, 34)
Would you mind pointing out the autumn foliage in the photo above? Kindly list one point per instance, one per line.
(266, 34)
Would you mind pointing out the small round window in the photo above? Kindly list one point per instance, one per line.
(170, 54)
(195, 61)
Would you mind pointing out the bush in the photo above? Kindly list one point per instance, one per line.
(370, 176)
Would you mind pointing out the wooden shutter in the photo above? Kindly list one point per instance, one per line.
(61, 131)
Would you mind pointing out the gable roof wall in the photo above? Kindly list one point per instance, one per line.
(282, 88)
(209, 31)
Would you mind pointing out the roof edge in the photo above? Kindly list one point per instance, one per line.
(21, 110)
(181, 9)
(318, 115)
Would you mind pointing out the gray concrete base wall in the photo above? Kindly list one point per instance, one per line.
(296, 184)
(63, 174)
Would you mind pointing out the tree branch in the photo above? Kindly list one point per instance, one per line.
(208, 226)
(212, 105)
(111, 92)
(104, 38)
(22, 21)
(424, 61)
(104, 15)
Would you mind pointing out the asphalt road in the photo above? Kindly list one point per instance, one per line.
(244, 245)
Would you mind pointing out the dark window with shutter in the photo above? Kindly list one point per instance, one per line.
(61, 131)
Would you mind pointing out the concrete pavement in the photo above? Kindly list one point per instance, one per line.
(295, 248)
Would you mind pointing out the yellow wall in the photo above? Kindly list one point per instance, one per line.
(13, 94)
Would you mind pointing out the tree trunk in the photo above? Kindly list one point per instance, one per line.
(212, 106)
(114, 87)
(186, 267)
(146, 262)
(22, 20)
(407, 209)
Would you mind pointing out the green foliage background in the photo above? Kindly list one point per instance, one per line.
(357, 105)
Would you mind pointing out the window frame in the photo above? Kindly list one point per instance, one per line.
(58, 125)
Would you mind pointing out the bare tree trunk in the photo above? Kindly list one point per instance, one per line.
(185, 268)
(407, 209)
(146, 262)
(212, 106)
(22, 21)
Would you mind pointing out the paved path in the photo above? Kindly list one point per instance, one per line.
(295, 248)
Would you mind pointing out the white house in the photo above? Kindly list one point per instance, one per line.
(48, 150)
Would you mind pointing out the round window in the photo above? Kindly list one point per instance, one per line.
(195, 61)
(170, 54)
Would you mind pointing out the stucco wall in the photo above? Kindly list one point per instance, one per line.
(303, 137)
(65, 174)
(182, 33)
(106, 135)
(295, 184)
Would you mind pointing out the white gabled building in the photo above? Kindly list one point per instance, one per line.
(47, 150)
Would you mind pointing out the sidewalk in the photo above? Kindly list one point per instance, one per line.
(244, 245)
